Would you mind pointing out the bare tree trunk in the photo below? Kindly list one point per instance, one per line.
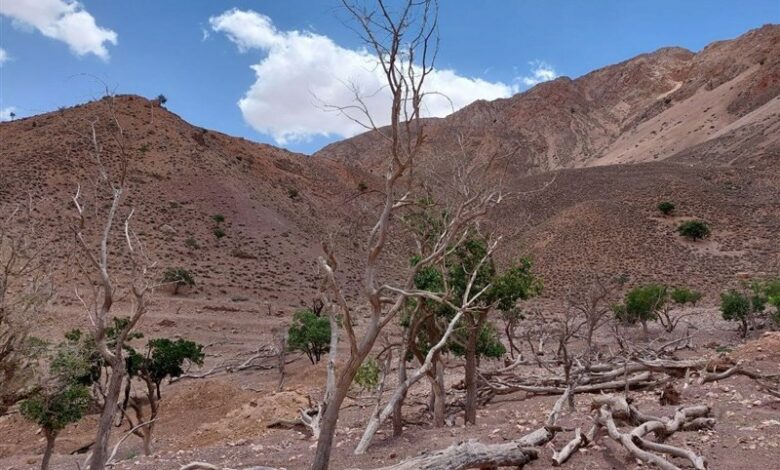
(440, 395)
(398, 415)
(148, 440)
(100, 452)
(471, 375)
(330, 417)
(50, 437)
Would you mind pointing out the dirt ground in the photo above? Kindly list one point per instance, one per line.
(224, 419)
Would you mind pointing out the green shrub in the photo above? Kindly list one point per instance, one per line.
(292, 193)
(219, 232)
(191, 243)
(641, 304)
(179, 277)
(736, 306)
(666, 207)
(362, 187)
(218, 218)
(309, 333)
(368, 374)
(694, 230)
(683, 295)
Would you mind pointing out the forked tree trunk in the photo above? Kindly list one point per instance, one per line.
(50, 437)
(106, 423)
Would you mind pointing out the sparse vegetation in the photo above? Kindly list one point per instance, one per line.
(54, 406)
(292, 193)
(191, 243)
(309, 333)
(178, 277)
(666, 207)
(218, 218)
(694, 230)
(737, 307)
(683, 296)
(219, 232)
(368, 374)
(641, 305)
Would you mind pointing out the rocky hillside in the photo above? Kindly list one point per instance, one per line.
(698, 129)
(722, 101)
(276, 204)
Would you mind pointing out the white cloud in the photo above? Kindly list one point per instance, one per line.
(540, 72)
(301, 69)
(3, 56)
(5, 113)
(64, 20)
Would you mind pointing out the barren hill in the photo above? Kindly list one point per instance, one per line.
(652, 107)
(180, 178)
(696, 129)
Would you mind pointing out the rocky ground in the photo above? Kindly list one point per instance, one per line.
(224, 419)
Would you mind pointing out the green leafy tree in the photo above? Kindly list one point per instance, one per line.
(162, 99)
(179, 277)
(694, 230)
(641, 305)
(163, 358)
(476, 337)
(53, 409)
(737, 307)
(310, 334)
(666, 207)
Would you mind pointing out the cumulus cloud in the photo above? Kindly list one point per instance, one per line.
(64, 20)
(5, 113)
(540, 72)
(3, 56)
(302, 70)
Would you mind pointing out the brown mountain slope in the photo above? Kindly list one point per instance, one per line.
(651, 107)
(180, 176)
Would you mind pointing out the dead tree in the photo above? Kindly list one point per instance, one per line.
(25, 290)
(593, 303)
(404, 42)
(95, 230)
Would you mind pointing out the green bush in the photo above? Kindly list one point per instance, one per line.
(179, 277)
(309, 333)
(694, 230)
(641, 304)
(218, 218)
(666, 207)
(292, 193)
(53, 410)
(736, 306)
(683, 295)
(219, 232)
(191, 243)
(368, 374)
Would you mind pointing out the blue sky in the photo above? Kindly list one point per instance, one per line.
(200, 53)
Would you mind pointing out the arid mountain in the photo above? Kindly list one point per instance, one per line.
(655, 106)
(700, 130)
(180, 178)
